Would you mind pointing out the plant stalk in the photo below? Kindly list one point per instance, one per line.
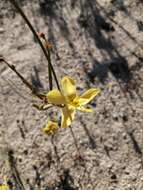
(39, 41)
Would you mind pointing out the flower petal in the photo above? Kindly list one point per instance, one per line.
(55, 97)
(68, 87)
(68, 115)
(50, 128)
(4, 187)
(88, 96)
(85, 109)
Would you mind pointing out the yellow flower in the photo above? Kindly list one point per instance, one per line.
(69, 100)
(50, 128)
(4, 187)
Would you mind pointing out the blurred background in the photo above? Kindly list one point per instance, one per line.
(100, 44)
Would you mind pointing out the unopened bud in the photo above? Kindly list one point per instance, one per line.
(48, 45)
(41, 35)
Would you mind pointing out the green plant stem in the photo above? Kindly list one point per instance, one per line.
(39, 41)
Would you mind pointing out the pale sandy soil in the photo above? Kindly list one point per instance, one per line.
(100, 44)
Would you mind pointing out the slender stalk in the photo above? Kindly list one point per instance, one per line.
(39, 41)
(15, 171)
(12, 67)
(75, 141)
(50, 78)
(50, 71)
(55, 150)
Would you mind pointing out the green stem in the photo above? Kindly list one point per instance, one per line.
(39, 41)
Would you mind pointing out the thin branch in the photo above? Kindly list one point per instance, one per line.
(50, 71)
(75, 141)
(12, 67)
(36, 36)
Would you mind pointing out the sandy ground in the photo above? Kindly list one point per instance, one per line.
(100, 44)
